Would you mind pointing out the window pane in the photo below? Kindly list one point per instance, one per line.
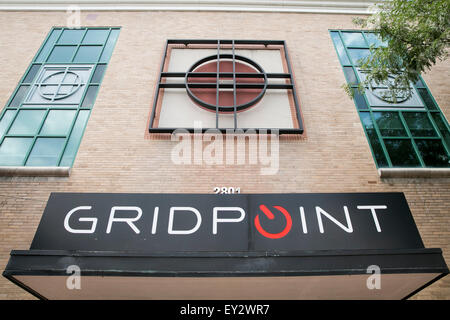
(95, 36)
(374, 39)
(7, 117)
(88, 54)
(433, 153)
(98, 74)
(46, 152)
(419, 124)
(62, 54)
(20, 95)
(48, 45)
(353, 39)
(419, 83)
(389, 124)
(58, 122)
(427, 98)
(32, 73)
(14, 150)
(442, 128)
(401, 153)
(89, 99)
(373, 139)
(358, 54)
(340, 48)
(360, 101)
(71, 36)
(27, 122)
(75, 138)
(350, 75)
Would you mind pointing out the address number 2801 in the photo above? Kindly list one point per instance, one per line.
(227, 190)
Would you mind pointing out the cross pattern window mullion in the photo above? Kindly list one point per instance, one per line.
(418, 105)
(53, 92)
(36, 137)
(79, 45)
(219, 101)
(55, 95)
(413, 143)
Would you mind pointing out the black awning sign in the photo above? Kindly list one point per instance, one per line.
(239, 222)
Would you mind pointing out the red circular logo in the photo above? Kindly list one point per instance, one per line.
(226, 83)
(271, 216)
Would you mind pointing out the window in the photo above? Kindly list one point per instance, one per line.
(409, 133)
(44, 120)
(226, 85)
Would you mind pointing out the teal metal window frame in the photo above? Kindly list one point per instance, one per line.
(364, 108)
(84, 105)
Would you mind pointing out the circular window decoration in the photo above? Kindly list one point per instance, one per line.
(63, 88)
(382, 92)
(226, 82)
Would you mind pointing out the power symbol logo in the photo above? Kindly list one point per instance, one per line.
(271, 216)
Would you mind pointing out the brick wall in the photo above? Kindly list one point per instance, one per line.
(114, 156)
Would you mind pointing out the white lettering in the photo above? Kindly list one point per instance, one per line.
(321, 212)
(93, 220)
(216, 219)
(129, 221)
(374, 214)
(171, 217)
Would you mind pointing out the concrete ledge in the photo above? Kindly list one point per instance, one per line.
(34, 171)
(310, 6)
(414, 172)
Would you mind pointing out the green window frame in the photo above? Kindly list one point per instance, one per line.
(410, 133)
(44, 120)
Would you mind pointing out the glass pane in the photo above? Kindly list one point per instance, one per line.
(358, 54)
(427, 98)
(20, 95)
(46, 152)
(27, 122)
(48, 45)
(88, 54)
(402, 153)
(75, 138)
(62, 54)
(32, 73)
(350, 75)
(433, 153)
(340, 48)
(373, 140)
(442, 128)
(360, 101)
(95, 36)
(6, 119)
(419, 124)
(389, 124)
(98, 74)
(89, 99)
(71, 36)
(419, 83)
(58, 122)
(110, 45)
(375, 39)
(14, 150)
(353, 39)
